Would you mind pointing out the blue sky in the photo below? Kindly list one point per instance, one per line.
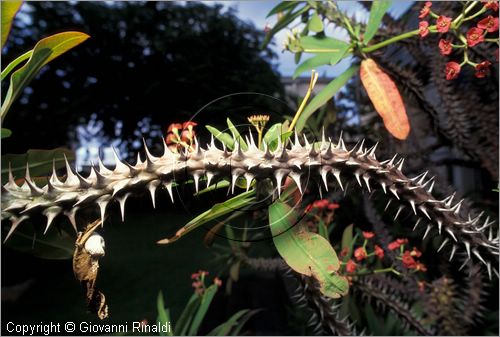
(256, 12)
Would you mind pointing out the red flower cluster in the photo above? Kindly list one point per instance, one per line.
(350, 267)
(445, 47)
(423, 28)
(396, 244)
(409, 262)
(360, 254)
(322, 204)
(490, 24)
(474, 36)
(368, 235)
(452, 70)
(177, 133)
(443, 24)
(425, 10)
(199, 283)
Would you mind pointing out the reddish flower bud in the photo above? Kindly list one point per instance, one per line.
(483, 69)
(420, 267)
(445, 47)
(188, 124)
(493, 5)
(474, 36)
(360, 254)
(425, 10)
(489, 23)
(379, 252)
(333, 206)
(393, 245)
(452, 70)
(368, 235)
(217, 281)
(402, 241)
(171, 139)
(350, 266)
(443, 24)
(423, 28)
(415, 252)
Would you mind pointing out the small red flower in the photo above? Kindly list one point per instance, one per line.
(489, 23)
(187, 125)
(452, 70)
(174, 127)
(423, 28)
(368, 235)
(425, 10)
(171, 139)
(493, 5)
(415, 252)
(396, 244)
(474, 36)
(360, 254)
(402, 241)
(445, 47)
(217, 281)
(188, 135)
(443, 24)
(483, 69)
(379, 252)
(408, 260)
(350, 267)
(344, 251)
(420, 267)
(333, 206)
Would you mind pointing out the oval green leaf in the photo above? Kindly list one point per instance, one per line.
(315, 23)
(313, 44)
(45, 51)
(305, 252)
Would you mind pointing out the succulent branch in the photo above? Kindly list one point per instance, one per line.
(323, 161)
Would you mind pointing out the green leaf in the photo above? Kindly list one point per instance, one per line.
(306, 252)
(215, 212)
(273, 133)
(282, 23)
(163, 314)
(315, 45)
(243, 321)
(223, 137)
(12, 65)
(40, 162)
(322, 229)
(313, 62)
(216, 186)
(45, 51)
(6, 133)
(236, 135)
(378, 9)
(282, 6)
(182, 325)
(206, 299)
(9, 10)
(54, 245)
(347, 241)
(324, 95)
(315, 23)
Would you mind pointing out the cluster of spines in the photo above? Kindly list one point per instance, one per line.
(297, 161)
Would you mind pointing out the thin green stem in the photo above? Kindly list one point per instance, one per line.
(459, 18)
(396, 38)
(481, 11)
(12, 65)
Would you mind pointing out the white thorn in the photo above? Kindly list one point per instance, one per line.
(121, 201)
(248, 177)
(366, 178)
(103, 170)
(475, 252)
(427, 230)
(168, 186)
(400, 208)
(296, 178)
(102, 202)
(453, 249)
(279, 178)
(416, 224)
(400, 165)
(440, 226)
(387, 206)
(394, 191)
(467, 248)
(451, 234)
(357, 174)
(445, 241)
(323, 177)
(424, 210)
(152, 186)
(196, 178)
(336, 174)
(210, 175)
(412, 203)
(384, 187)
(431, 187)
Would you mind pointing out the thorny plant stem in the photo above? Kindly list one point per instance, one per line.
(312, 83)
